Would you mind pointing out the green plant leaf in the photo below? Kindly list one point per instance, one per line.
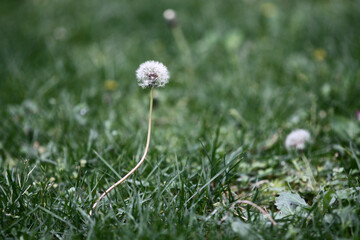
(327, 199)
(290, 203)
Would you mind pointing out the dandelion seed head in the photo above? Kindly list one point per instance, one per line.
(169, 14)
(152, 74)
(297, 139)
(170, 17)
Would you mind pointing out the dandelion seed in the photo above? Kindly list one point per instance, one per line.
(152, 74)
(297, 139)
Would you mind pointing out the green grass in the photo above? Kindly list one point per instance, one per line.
(257, 70)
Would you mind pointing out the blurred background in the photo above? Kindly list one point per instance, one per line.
(264, 65)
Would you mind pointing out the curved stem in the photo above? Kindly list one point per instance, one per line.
(137, 166)
(266, 214)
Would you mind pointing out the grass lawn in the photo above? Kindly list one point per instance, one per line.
(244, 74)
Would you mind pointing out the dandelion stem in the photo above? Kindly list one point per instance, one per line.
(137, 166)
(184, 49)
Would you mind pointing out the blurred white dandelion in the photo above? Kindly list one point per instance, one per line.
(170, 17)
(297, 139)
(152, 74)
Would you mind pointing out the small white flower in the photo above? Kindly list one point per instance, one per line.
(152, 74)
(297, 139)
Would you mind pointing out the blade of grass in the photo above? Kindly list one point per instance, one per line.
(107, 164)
(56, 216)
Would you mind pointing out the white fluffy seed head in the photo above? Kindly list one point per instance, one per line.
(297, 139)
(152, 74)
(170, 17)
(169, 14)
